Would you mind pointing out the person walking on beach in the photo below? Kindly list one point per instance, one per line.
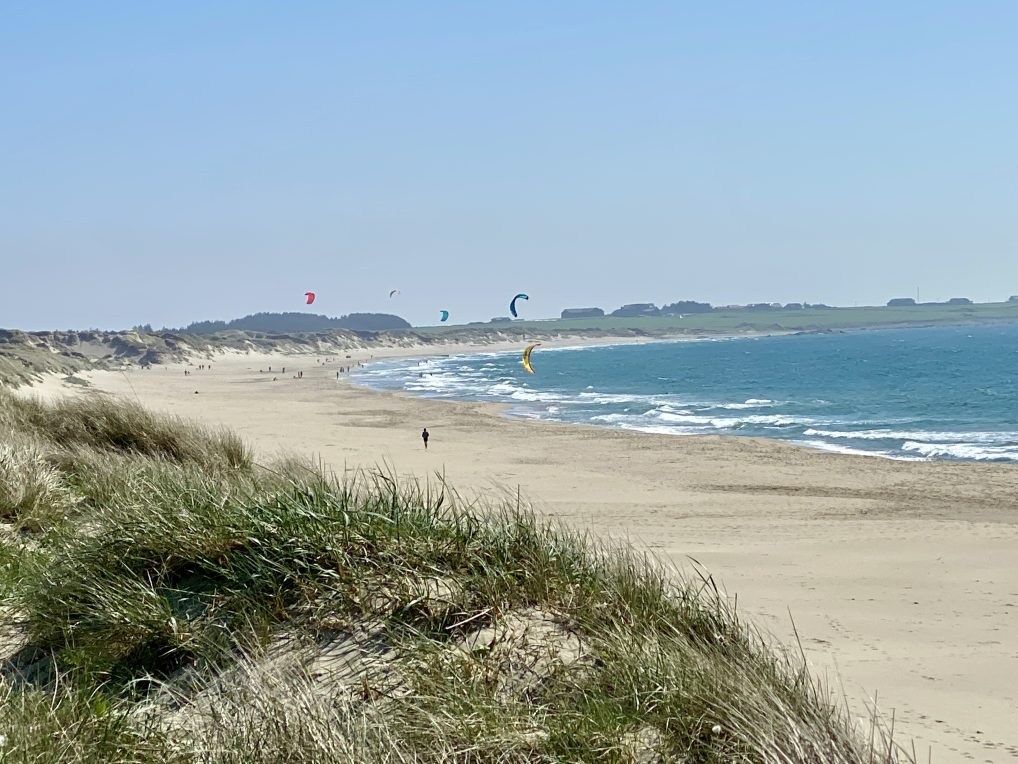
(424, 436)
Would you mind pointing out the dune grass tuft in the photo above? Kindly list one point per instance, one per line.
(33, 494)
(103, 423)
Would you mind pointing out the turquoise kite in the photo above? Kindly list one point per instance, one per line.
(445, 315)
(512, 305)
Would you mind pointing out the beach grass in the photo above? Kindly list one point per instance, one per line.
(165, 598)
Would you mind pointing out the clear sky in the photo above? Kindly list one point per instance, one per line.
(169, 162)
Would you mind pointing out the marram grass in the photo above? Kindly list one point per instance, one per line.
(168, 600)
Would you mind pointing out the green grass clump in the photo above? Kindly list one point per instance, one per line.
(33, 494)
(181, 603)
(69, 725)
(103, 423)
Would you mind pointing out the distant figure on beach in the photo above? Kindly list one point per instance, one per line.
(425, 435)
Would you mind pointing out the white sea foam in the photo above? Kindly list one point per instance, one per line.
(611, 418)
(665, 416)
(838, 449)
(752, 403)
(660, 430)
(964, 451)
(535, 396)
(691, 422)
(985, 437)
(780, 420)
(502, 388)
(604, 399)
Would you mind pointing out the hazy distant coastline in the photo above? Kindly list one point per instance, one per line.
(24, 356)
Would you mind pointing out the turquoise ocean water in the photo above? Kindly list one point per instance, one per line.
(934, 393)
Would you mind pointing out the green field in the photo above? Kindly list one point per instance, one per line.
(725, 321)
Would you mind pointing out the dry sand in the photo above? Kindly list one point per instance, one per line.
(902, 577)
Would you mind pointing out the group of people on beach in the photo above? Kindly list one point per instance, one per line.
(300, 374)
(425, 435)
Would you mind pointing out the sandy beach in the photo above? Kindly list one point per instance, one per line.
(901, 577)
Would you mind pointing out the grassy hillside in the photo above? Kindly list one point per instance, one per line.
(724, 321)
(163, 598)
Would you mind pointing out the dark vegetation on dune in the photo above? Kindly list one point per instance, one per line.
(282, 323)
(164, 598)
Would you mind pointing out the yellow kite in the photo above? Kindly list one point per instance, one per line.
(526, 357)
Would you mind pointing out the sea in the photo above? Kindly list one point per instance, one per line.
(946, 393)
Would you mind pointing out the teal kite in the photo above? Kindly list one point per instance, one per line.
(512, 305)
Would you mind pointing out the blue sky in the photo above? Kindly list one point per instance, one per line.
(164, 163)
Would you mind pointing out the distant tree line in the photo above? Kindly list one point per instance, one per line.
(902, 301)
(681, 308)
(685, 307)
(284, 323)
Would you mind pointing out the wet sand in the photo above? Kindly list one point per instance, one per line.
(901, 577)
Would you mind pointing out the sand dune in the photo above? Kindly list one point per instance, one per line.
(900, 576)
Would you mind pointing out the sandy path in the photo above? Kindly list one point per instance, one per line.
(902, 577)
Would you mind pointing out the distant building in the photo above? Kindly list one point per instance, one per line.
(500, 320)
(582, 313)
(794, 306)
(761, 306)
(637, 309)
(900, 301)
(959, 301)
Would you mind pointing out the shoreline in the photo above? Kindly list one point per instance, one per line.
(899, 575)
(507, 408)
